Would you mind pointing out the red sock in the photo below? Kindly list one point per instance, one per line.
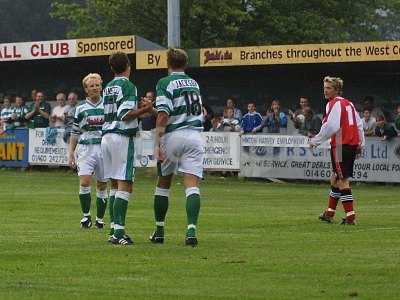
(347, 202)
(334, 196)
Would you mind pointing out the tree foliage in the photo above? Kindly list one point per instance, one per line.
(22, 20)
(207, 23)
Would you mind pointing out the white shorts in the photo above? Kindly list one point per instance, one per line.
(118, 156)
(184, 152)
(89, 161)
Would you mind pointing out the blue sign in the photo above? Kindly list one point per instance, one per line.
(14, 147)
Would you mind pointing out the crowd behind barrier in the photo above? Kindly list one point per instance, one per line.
(38, 133)
(269, 118)
(259, 156)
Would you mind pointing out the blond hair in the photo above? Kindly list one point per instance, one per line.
(91, 76)
(336, 82)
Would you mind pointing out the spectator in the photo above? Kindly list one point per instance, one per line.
(69, 115)
(312, 123)
(275, 119)
(207, 116)
(216, 123)
(384, 129)
(39, 112)
(237, 113)
(58, 114)
(397, 118)
(5, 115)
(148, 121)
(369, 103)
(251, 122)
(369, 123)
(303, 103)
(229, 123)
(19, 113)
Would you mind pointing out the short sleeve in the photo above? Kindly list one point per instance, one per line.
(164, 98)
(128, 100)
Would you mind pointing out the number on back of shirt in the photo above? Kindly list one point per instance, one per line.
(193, 103)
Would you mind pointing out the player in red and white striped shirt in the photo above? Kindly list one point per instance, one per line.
(343, 126)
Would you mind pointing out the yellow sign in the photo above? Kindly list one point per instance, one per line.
(156, 59)
(300, 54)
(105, 45)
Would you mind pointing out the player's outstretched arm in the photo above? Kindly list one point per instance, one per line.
(136, 113)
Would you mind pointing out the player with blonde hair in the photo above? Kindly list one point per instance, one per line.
(343, 126)
(85, 149)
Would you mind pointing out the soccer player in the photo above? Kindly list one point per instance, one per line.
(344, 127)
(119, 130)
(179, 144)
(85, 150)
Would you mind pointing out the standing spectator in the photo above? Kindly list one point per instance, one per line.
(237, 113)
(148, 121)
(311, 125)
(58, 113)
(69, 115)
(369, 123)
(5, 115)
(275, 119)
(369, 103)
(39, 112)
(384, 129)
(229, 123)
(19, 113)
(397, 118)
(298, 115)
(251, 122)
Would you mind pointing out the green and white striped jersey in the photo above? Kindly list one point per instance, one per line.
(178, 95)
(88, 122)
(6, 113)
(20, 113)
(119, 96)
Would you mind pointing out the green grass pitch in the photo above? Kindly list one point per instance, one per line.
(257, 240)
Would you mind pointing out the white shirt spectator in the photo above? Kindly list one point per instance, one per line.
(59, 116)
(369, 126)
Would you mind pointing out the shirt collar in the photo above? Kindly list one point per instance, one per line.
(93, 104)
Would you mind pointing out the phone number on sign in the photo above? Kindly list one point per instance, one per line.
(328, 173)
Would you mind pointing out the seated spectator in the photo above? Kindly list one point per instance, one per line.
(5, 115)
(19, 113)
(237, 113)
(216, 123)
(369, 123)
(251, 122)
(384, 129)
(397, 118)
(311, 124)
(58, 114)
(148, 121)
(69, 115)
(39, 112)
(369, 104)
(229, 123)
(275, 119)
